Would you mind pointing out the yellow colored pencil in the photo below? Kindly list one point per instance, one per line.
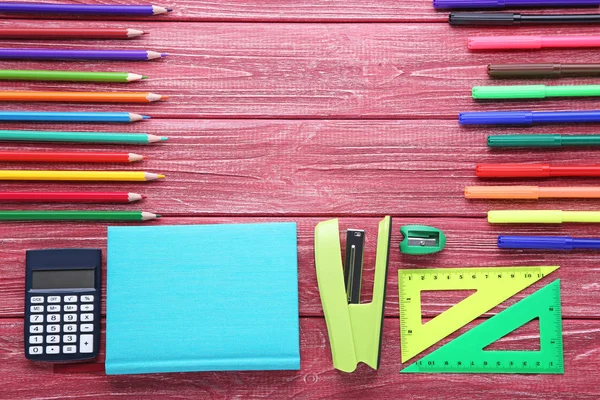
(23, 175)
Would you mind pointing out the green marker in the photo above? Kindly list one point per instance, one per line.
(76, 216)
(73, 76)
(543, 140)
(534, 91)
(80, 137)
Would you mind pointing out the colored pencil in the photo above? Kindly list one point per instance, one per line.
(69, 197)
(79, 9)
(44, 116)
(68, 33)
(81, 97)
(24, 175)
(51, 54)
(80, 137)
(89, 157)
(76, 216)
(72, 76)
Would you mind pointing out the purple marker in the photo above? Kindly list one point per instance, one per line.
(38, 8)
(481, 4)
(45, 54)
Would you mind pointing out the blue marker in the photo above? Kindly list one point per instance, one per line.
(547, 243)
(34, 116)
(527, 117)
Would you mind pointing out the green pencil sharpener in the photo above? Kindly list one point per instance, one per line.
(421, 239)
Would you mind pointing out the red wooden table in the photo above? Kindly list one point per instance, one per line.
(303, 111)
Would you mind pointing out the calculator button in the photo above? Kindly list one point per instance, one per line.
(70, 328)
(53, 308)
(52, 349)
(88, 298)
(36, 350)
(69, 338)
(53, 299)
(87, 317)
(35, 339)
(36, 318)
(36, 308)
(87, 307)
(87, 327)
(37, 299)
(53, 328)
(70, 307)
(35, 329)
(52, 339)
(86, 343)
(70, 317)
(69, 349)
(52, 318)
(70, 299)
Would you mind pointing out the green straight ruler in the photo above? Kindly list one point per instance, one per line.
(493, 285)
(466, 353)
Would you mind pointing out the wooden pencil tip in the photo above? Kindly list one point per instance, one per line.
(144, 77)
(163, 138)
(144, 196)
(160, 176)
(169, 10)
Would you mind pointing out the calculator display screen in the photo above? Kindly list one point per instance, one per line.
(63, 279)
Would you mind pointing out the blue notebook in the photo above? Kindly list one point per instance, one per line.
(202, 298)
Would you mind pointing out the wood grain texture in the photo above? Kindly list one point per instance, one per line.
(284, 11)
(356, 71)
(471, 243)
(279, 167)
(316, 379)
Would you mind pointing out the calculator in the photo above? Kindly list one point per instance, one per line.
(62, 304)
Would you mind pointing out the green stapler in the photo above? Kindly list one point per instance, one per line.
(354, 328)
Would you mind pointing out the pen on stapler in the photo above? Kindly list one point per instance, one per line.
(547, 243)
(542, 140)
(541, 216)
(533, 91)
(527, 117)
(531, 192)
(508, 18)
(542, 70)
(534, 170)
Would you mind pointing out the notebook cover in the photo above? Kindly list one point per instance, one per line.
(202, 298)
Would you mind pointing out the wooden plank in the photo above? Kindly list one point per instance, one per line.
(317, 378)
(283, 11)
(277, 167)
(254, 70)
(471, 243)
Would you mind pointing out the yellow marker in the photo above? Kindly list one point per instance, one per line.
(493, 284)
(541, 216)
(14, 175)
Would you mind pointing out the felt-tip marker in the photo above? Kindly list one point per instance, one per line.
(547, 243)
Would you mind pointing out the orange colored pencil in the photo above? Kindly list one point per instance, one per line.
(39, 156)
(82, 97)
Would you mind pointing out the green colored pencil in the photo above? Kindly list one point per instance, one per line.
(80, 137)
(22, 75)
(76, 216)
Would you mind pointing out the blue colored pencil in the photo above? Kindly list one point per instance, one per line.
(70, 116)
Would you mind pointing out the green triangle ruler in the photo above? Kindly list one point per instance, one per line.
(465, 354)
(493, 285)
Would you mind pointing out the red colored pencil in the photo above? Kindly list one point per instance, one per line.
(68, 33)
(42, 156)
(69, 197)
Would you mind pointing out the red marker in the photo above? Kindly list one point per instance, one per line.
(534, 170)
(69, 197)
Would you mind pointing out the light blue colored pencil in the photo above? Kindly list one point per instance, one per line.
(70, 116)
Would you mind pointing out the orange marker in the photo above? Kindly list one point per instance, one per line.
(530, 192)
(82, 97)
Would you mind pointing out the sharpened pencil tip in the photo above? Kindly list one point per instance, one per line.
(163, 138)
(169, 10)
(164, 54)
(144, 196)
(144, 77)
(160, 176)
(146, 117)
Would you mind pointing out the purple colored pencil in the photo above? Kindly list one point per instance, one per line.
(35, 8)
(47, 54)
(454, 4)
